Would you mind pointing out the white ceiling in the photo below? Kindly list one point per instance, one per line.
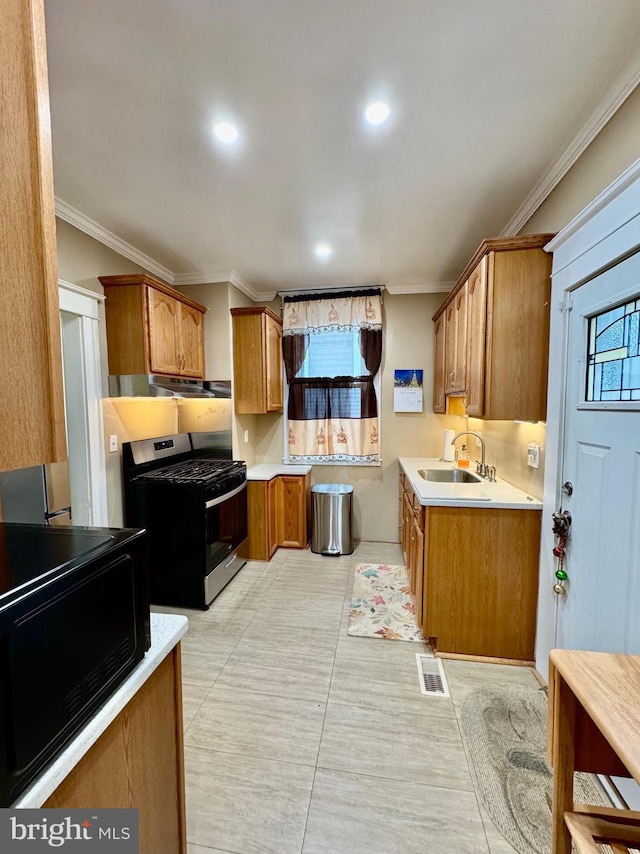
(490, 99)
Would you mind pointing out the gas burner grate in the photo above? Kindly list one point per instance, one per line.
(197, 471)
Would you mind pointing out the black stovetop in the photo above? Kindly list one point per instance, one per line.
(199, 471)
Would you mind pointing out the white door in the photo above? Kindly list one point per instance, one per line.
(601, 608)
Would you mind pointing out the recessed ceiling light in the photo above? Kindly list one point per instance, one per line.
(377, 112)
(226, 132)
(323, 250)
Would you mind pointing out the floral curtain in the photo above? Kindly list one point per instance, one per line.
(333, 418)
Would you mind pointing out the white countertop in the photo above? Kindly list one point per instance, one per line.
(500, 494)
(166, 631)
(267, 471)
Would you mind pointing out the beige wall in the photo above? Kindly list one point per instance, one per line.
(81, 259)
(615, 148)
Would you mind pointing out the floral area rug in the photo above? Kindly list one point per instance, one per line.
(382, 605)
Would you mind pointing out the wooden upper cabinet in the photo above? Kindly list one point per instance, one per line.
(273, 379)
(192, 337)
(507, 293)
(476, 333)
(456, 343)
(439, 396)
(152, 328)
(32, 429)
(257, 360)
(164, 337)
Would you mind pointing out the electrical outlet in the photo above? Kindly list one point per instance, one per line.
(113, 444)
(533, 455)
(246, 436)
(478, 438)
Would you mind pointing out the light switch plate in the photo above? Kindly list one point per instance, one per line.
(113, 444)
(533, 455)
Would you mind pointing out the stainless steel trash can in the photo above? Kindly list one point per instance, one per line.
(331, 528)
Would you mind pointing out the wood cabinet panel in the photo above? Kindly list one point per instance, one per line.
(518, 301)
(455, 343)
(292, 511)
(272, 516)
(257, 360)
(417, 540)
(32, 428)
(152, 328)
(138, 762)
(474, 576)
(439, 396)
(506, 288)
(278, 514)
(476, 339)
(192, 340)
(164, 344)
(482, 581)
(273, 364)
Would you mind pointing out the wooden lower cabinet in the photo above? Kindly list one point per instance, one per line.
(474, 576)
(481, 581)
(278, 514)
(138, 762)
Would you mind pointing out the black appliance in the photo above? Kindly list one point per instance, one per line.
(74, 622)
(192, 499)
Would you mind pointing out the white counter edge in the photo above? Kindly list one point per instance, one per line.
(166, 631)
(267, 471)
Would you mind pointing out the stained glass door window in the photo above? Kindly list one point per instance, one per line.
(613, 354)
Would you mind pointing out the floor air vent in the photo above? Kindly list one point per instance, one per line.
(431, 676)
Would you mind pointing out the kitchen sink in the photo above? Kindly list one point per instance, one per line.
(449, 476)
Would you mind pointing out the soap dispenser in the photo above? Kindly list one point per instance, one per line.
(463, 458)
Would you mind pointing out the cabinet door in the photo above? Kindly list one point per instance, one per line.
(407, 516)
(456, 343)
(417, 541)
(292, 511)
(273, 364)
(191, 341)
(272, 516)
(439, 344)
(163, 332)
(476, 338)
(138, 761)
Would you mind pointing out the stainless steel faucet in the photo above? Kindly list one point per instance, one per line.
(481, 468)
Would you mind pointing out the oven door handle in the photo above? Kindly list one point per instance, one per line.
(222, 498)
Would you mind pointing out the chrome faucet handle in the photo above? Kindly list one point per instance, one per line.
(491, 473)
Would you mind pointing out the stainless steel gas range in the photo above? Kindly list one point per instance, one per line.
(192, 499)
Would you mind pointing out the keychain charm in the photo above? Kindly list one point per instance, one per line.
(561, 525)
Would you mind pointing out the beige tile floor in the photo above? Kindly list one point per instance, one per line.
(302, 740)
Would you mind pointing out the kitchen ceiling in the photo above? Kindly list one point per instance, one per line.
(488, 100)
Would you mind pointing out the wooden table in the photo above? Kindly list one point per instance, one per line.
(594, 725)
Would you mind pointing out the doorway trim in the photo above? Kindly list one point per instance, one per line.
(86, 305)
(603, 234)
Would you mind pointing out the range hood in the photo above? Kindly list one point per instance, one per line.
(150, 385)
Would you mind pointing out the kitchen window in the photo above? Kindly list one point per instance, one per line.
(332, 348)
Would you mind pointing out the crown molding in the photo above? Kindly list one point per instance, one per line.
(612, 102)
(80, 291)
(419, 288)
(93, 229)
